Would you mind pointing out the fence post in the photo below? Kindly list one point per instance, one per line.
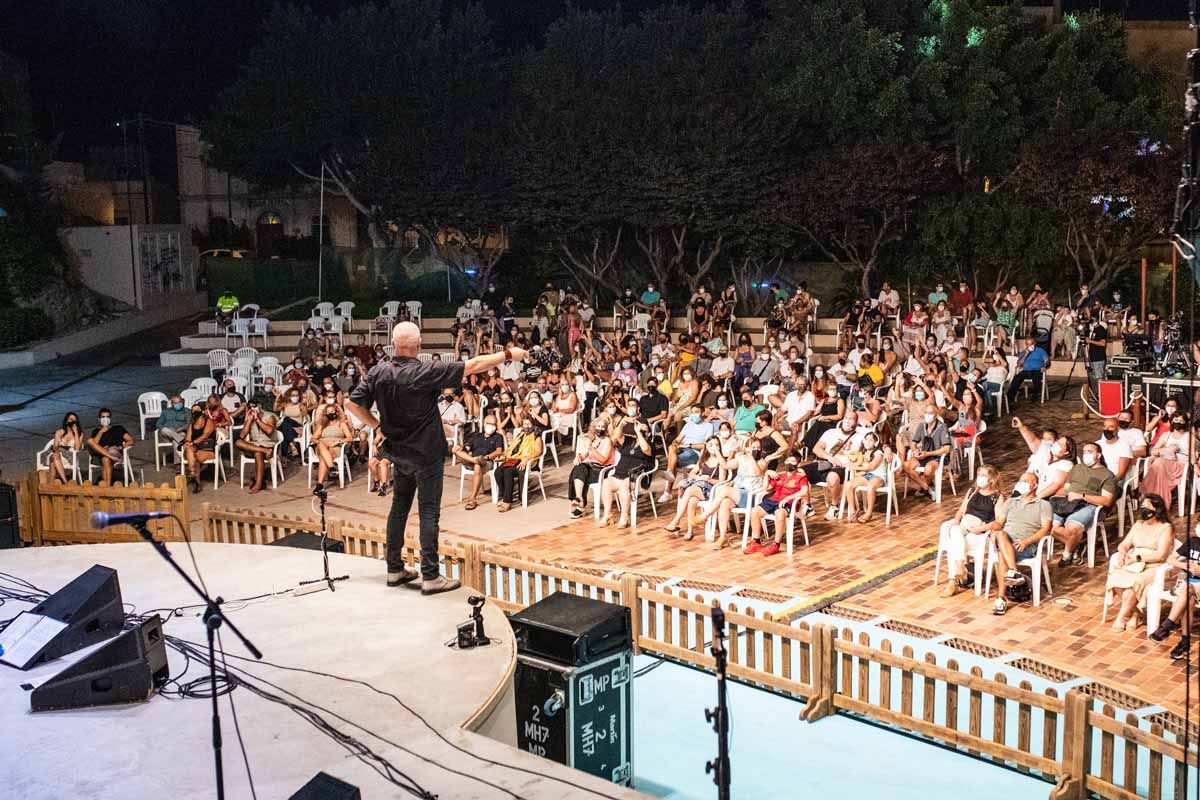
(184, 507)
(205, 530)
(333, 528)
(35, 507)
(471, 565)
(824, 675)
(1076, 748)
(629, 599)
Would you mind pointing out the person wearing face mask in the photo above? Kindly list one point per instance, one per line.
(686, 448)
(762, 370)
(173, 422)
(109, 443)
(1160, 424)
(331, 430)
(786, 489)
(1132, 568)
(868, 470)
(854, 357)
(938, 295)
(1031, 366)
(747, 411)
(1118, 456)
(1186, 561)
(258, 440)
(453, 415)
(1169, 457)
(889, 300)
(930, 441)
(630, 435)
(564, 410)
(831, 455)
(199, 446)
(480, 452)
(1090, 487)
(1133, 436)
(708, 471)
(594, 452)
(969, 530)
(292, 410)
(799, 406)
(915, 324)
(535, 412)
(69, 440)
(1024, 520)
(722, 366)
(831, 409)
(523, 453)
(310, 345)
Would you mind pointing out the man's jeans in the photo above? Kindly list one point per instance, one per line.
(424, 481)
(1096, 368)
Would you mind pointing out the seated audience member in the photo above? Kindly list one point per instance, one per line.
(593, 452)
(772, 443)
(781, 487)
(747, 482)
(200, 445)
(1024, 520)
(108, 443)
(1090, 487)
(258, 440)
(1186, 560)
(1118, 456)
(331, 430)
(1169, 454)
(722, 366)
(309, 346)
(564, 409)
(798, 407)
(710, 470)
(762, 371)
(1134, 438)
(173, 422)
(831, 459)
(930, 441)
(1132, 568)
(746, 414)
(630, 435)
(871, 371)
(453, 413)
(975, 520)
(993, 382)
(535, 411)
(377, 464)
(479, 453)
(686, 448)
(1030, 366)
(868, 469)
(523, 452)
(292, 410)
(829, 412)
(70, 439)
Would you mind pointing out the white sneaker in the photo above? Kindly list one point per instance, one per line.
(806, 511)
(665, 497)
(831, 512)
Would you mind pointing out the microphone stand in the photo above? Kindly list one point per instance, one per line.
(719, 716)
(322, 496)
(213, 618)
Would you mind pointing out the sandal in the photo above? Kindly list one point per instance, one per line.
(671, 529)
(471, 505)
(720, 543)
(689, 536)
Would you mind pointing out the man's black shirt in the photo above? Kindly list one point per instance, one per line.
(1098, 352)
(652, 404)
(406, 392)
(481, 444)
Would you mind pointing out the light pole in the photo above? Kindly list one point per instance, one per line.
(321, 238)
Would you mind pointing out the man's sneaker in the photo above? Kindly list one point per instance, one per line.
(665, 497)
(771, 549)
(1000, 607)
(1013, 578)
(1181, 650)
(576, 513)
(832, 512)
(402, 577)
(807, 511)
(753, 547)
(438, 585)
(1164, 630)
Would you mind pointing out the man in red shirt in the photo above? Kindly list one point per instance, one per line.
(961, 299)
(781, 487)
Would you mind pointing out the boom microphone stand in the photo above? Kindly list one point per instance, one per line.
(213, 618)
(719, 716)
(322, 496)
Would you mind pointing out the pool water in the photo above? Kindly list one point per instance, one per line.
(773, 754)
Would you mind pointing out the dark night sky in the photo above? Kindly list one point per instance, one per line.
(92, 62)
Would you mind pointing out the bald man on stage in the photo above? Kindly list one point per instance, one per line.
(405, 391)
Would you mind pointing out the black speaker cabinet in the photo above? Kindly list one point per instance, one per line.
(126, 670)
(324, 786)
(310, 541)
(90, 606)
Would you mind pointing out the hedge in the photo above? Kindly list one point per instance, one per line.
(22, 324)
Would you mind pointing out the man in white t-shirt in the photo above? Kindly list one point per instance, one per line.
(842, 374)
(854, 357)
(798, 406)
(889, 300)
(830, 464)
(454, 414)
(1118, 456)
(1134, 437)
(586, 314)
(721, 366)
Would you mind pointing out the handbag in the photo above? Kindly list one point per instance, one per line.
(1063, 507)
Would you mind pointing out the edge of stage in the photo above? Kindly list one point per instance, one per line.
(391, 638)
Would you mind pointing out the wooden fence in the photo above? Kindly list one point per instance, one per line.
(58, 513)
(1073, 741)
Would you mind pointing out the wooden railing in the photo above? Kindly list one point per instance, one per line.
(60, 513)
(1068, 740)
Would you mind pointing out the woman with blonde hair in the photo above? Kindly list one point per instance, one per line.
(973, 522)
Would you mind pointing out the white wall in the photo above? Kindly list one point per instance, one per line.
(104, 260)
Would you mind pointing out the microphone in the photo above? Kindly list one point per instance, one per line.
(101, 519)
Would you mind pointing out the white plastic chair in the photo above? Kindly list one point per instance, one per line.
(467, 471)
(636, 487)
(205, 386)
(241, 382)
(389, 350)
(792, 514)
(240, 369)
(126, 464)
(274, 371)
(258, 327)
(595, 488)
(340, 463)
(1039, 564)
(887, 490)
(324, 310)
(315, 323)
(70, 460)
(942, 474)
(977, 548)
(239, 329)
(192, 395)
(529, 471)
(414, 311)
(245, 354)
(345, 310)
(390, 309)
(424, 358)
(160, 445)
(273, 464)
(217, 360)
(336, 326)
(1156, 594)
(639, 323)
(249, 311)
(217, 464)
(150, 406)
(1097, 529)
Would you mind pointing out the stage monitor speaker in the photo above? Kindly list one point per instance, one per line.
(324, 786)
(126, 670)
(86, 611)
(10, 531)
(310, 541)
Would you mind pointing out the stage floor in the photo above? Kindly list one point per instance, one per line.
(391, 639)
